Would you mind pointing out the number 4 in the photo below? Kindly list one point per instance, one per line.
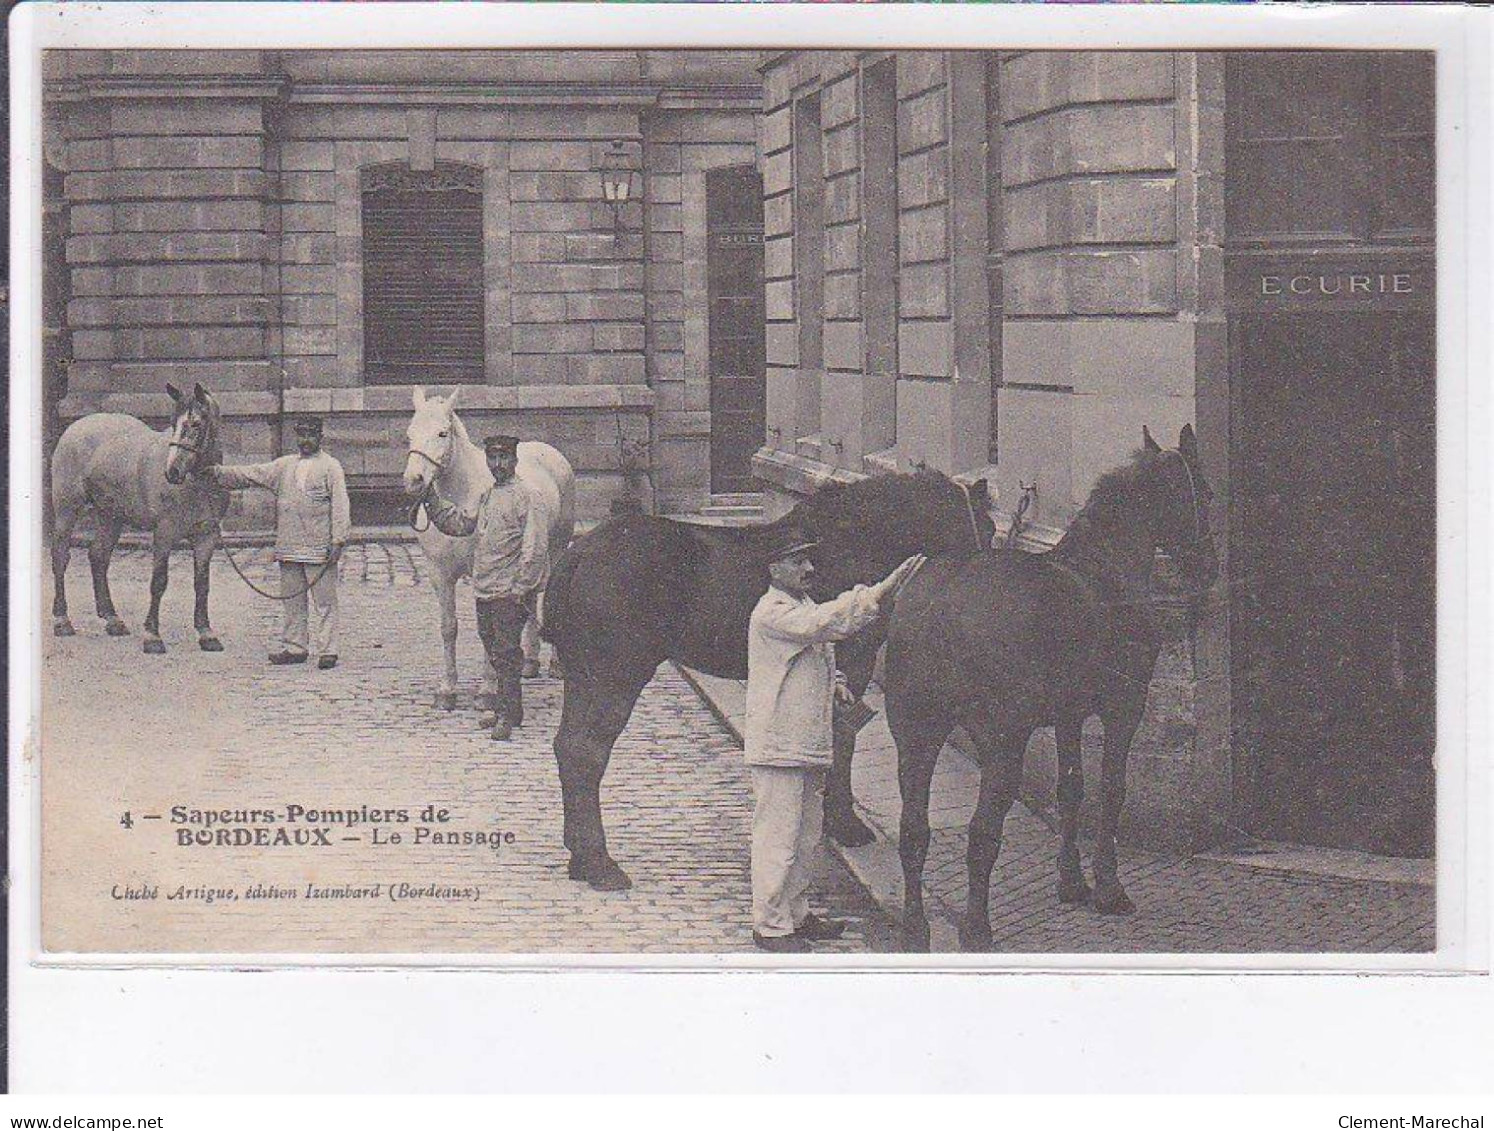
(127, 821)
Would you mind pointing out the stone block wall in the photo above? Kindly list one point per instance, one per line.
(1110, 205)
(214, 205)
(904, 324)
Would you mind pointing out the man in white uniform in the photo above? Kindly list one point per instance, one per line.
(312, 524)
(790, 697)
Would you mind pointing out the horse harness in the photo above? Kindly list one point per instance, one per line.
(420, 504)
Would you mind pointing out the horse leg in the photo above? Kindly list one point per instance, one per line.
(1000, 777)
(1121, 721)
(62, 536)
(202, 557)
(446, 601)
(1071, 886)
(593, 714)
(917, 754)
(164, 540)
(841, 823)
(557, 671)
(100, 551)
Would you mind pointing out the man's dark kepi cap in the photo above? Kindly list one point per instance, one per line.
(494, 444)
(791, 544)
(308, 426)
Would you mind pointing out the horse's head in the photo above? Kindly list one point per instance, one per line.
(431, 434)
(864, 529)
(194, 433)
(1181, 504)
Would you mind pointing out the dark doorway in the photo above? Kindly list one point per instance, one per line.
(737, 327)
(1330, 278)
(1335, 627)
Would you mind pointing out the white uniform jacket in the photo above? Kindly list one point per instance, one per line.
(311, 503)
(791, 673)
(512, 555)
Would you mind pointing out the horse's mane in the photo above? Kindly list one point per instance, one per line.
(871, 502)
(1112, 492)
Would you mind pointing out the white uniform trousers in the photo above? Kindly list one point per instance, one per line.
(787, 823)
(323, 636)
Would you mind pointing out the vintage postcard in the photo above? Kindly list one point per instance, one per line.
(829, 504)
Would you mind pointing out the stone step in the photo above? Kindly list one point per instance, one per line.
(715, 510)
(737, 499)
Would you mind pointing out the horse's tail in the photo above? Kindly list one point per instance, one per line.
(553, 625)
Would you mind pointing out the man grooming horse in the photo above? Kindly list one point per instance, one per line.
(508, 570)
(790, 688)
(312, 524)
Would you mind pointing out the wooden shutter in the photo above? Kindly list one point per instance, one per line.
(422, 275)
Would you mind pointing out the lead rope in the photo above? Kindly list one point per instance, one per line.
(310, 585)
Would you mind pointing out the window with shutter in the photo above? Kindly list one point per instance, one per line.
(422, 274)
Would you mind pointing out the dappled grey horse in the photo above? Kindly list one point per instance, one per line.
(132, 477)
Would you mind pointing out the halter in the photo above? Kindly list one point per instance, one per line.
(1192, 491)
(190, 449)
(419, 505)
(438, 464)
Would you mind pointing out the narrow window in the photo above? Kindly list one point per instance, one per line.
(422, 275)
(809, 259)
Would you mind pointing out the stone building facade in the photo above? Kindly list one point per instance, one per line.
(215, 203)
(1005, 264)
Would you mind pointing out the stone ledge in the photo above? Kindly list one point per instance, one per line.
(797, 474)
(149, 405)
(382, 398)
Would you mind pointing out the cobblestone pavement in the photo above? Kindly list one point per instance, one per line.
(129, 732)
(1184, 904)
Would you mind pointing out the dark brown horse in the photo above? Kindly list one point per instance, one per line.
(1004, 643)
(133, 477)
(640, 590)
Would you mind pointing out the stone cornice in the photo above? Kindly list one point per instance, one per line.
(164, 86)
(671, 96)
(730, 96)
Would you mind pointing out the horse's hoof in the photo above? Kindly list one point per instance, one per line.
(531, 669)
(602, 874)
(848, 830)
(153, 646)
(975, 937)
(210, 644)
(1073, 890)
(116, 627)
(1111, 899)
(915, 936)
(63, 627)
(487, 701)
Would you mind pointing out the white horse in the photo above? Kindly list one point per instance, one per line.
(441, 453)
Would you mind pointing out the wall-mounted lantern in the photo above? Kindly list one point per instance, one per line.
(619, 179)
